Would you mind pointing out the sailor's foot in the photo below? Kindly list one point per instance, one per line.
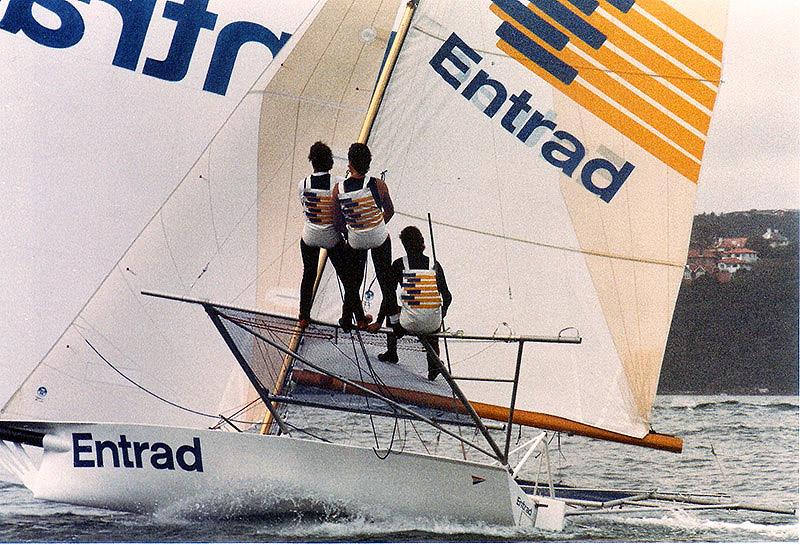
(432, 374)
(374, 327)
(364, 323)
(345, 324)
(388, 357)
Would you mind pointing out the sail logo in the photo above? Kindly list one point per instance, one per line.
(456, 61)
(639, 65)
(88, 452)
(191, 18)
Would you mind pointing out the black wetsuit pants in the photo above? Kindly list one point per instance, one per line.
(382, 261)
(346, 263)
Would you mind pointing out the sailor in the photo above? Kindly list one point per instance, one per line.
(425, 298)
(366, 208)
(322, 229)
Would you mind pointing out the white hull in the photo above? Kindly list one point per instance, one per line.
(188, 468)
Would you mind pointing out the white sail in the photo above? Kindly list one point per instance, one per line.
(200, 242)
(557, 146)
(322, 94)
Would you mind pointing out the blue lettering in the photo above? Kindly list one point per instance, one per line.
(230, 40)
(164, 459)
(191, 17)
(138, 450)
(572, 157)
(618, 177)
(481, 80)
(136, 16)
(124, 445)
(535, 121)
(19, 16)
(565, 153)
(194, 450)
(519, 104)
(77, 449)
(111, 446)
(446, 52)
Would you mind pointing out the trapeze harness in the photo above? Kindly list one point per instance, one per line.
(421, 310)
(363, 217)
(318, 206)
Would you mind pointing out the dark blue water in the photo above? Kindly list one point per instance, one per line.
(744, 446)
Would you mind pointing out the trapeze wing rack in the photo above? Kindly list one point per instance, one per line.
(445, 335)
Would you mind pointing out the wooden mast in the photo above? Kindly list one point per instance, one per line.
(366, 128)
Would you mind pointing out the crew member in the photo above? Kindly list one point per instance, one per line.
(425, 297)
(322, 229)
(366, 208)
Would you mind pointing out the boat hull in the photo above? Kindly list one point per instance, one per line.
(150, 468)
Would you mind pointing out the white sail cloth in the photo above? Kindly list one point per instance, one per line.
(589, 231)
(205, 240)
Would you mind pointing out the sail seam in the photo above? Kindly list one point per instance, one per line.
(545, 245)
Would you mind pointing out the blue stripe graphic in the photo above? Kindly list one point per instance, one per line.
(536, 53)
(574, 23)
(623, 5)
(586, 6)
(534, 23)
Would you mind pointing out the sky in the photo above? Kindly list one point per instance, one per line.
(752, 160)
(752, 157)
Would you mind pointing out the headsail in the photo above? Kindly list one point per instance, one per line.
(204, 240)
(557, 146)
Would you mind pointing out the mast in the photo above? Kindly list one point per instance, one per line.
(366, 128)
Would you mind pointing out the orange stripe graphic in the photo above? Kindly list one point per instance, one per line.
(644, 54)
(684, 26)
(672, 46)
(614, 117)
(652, 87)
(632, 102)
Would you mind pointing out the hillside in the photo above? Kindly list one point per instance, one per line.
(739, 337)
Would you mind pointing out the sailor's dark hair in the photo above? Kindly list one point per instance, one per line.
(321, 157)
(412, 240)
(360, 157)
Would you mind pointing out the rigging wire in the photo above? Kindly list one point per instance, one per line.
(220, 420)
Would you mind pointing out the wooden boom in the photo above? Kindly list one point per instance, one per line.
(652, 440)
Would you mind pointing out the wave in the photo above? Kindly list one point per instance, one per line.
(686, 521)
(734, 403)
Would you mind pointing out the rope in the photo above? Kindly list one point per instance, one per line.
(193, 411)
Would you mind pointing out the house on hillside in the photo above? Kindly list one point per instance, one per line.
(728, 256)
(693, 272)
(733, 265)
(729, 243)
(745, 255)
(775, 238)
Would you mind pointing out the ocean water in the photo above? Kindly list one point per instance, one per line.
(744, 446)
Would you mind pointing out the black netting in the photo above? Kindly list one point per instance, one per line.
(336, 357)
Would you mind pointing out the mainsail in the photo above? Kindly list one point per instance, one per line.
(557, 147)
(217, 236)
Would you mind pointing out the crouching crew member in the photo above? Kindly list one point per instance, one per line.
(322, 229)
(425, 297)
(366, 207)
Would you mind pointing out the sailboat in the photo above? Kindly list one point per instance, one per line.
(550, 150)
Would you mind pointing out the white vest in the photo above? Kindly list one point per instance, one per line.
(421, 310)
(365, 226)
(318, 206)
